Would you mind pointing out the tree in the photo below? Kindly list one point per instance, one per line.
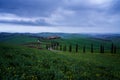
(70, 48)
(76, 48)
(60, 47)
(101, 48)
(112, 48)
(84, 49)
(91, 48)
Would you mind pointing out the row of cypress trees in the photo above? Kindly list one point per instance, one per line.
(70, 48)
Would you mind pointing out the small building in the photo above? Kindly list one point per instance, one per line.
(53, 37)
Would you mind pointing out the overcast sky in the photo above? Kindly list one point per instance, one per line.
(72, 16)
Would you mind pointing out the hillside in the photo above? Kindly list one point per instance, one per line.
(16, 38)
(21, 63)
(66, 39)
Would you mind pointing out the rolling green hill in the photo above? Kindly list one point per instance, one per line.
(18, 62)
(21, 63)
(66, 39)
(16, 38)
(86, 41)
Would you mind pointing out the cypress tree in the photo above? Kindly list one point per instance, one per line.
(70, 48)
(84, 49)
(91, 48)
(76, 48)
(100, 48)
(60, 47)
(112, 48)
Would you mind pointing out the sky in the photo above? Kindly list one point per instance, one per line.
(67, 16)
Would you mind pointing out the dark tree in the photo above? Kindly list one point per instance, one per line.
(91, 48)
(112, 48)
(70, 48)
(76, 48)
(100, 48)
(84, 49)
(60, 47)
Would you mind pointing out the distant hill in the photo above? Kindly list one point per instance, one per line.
(31, 37)
(16, 38)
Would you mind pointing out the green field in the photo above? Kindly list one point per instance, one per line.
(85, 41)
(17, 39)
(19, 62)
(24, 63)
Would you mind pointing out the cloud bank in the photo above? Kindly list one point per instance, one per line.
(65, 13)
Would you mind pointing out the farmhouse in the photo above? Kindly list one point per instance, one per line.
(53, 37)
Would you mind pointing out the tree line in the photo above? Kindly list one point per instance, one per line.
(76, 48)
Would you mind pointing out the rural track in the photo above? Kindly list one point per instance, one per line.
(50, 49)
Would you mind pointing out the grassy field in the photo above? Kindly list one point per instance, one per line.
(18, 62)
(85, 41)
(21, 63)
(16, 39)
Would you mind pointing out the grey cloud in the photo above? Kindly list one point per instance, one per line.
(80, 13)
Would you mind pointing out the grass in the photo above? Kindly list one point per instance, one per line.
(87, 43)
(21, 63)
(17, 39)
(81, 40)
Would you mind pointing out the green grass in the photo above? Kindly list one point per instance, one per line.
(18, 39)
(21, 63)
(81, 40)
(85, 41)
